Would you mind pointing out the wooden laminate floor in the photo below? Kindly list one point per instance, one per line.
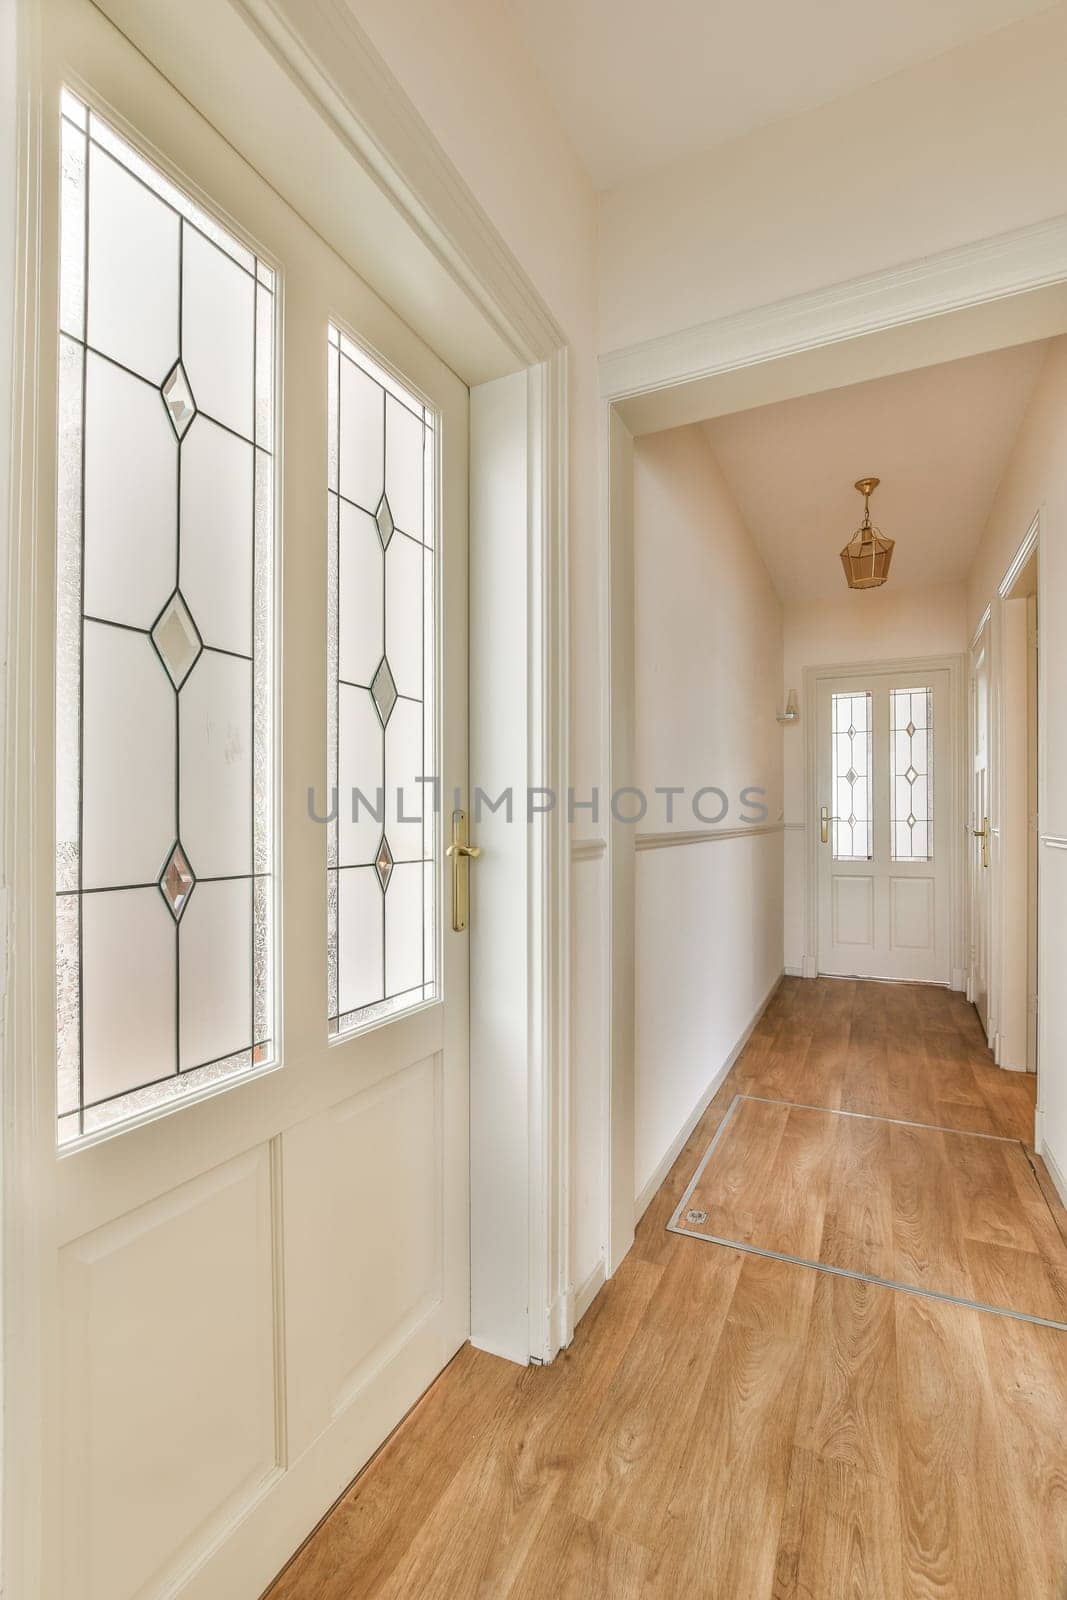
(730, 1426)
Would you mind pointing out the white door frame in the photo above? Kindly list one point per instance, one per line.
(987, 629)
(998, 291)
(956, 746)
(1034, 540)
(465, 295)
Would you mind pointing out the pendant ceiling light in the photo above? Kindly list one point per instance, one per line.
(868, 553)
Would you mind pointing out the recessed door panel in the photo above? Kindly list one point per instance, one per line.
(911, 913)
(363, 1188)
(853, 911)
(169, 1380)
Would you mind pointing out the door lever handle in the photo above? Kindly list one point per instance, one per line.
(824, 824)
(983, 834)
(461, 854)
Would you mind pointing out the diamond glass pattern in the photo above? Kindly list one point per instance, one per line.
(384, 518)
(178, 399)
(383, 863)
(176, 882)
(117, 931)
(177, 639)
(383, 691)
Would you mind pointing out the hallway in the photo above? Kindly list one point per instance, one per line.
(734, 1427)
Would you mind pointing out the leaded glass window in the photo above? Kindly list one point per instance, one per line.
(164, 680)
(382, 832)
(911, 725)
(852, 776)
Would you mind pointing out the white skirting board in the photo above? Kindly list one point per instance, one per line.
(644, 1199)
(1059, 1182)
(587, 1292)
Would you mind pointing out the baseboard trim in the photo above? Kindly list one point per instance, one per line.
(587, 1292)
(644, 1199)
(1059, 1182)
(792, 972)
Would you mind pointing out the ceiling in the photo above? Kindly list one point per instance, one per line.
(938, 438)
(637, 87)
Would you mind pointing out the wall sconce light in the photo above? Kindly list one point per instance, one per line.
(792, 710)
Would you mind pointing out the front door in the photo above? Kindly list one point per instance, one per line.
(884, 795)
(251, 1158)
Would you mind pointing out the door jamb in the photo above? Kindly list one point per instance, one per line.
(1034, 540)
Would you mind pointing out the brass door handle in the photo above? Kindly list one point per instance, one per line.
(824, 824)
(983, 834)
(461, 853)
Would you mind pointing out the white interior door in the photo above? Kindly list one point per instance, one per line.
(884, 789)
(980, 841)
(251, 1166)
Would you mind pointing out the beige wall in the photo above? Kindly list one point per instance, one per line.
(462, 65)
(1036, 477)
(954, 150)
(878, 625)
(708, 666)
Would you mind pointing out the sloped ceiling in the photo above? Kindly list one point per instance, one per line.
(938, 438)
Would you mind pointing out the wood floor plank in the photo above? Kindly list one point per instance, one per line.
(990, 1202)
(579, 1560)
(963, 1533)
(849, 1405)
(790, 1211)
(732, 1474)
(1028, 1379)
(858, 1224)
(840, 1534)
(819, 1074)
(623, 1479)
(929, 1247)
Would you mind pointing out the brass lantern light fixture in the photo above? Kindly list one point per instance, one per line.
(868, 553)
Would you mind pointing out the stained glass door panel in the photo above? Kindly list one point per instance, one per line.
(382, 711)
(164, 679)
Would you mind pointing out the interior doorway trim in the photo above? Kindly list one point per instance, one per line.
(1001, 290)
(954, 665)
(1033, 544)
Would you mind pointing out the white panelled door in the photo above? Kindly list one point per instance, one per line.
(252, 1150)
(884, 790)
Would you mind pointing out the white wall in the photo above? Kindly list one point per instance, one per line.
(959, 148)
(1037, 477)
(708, 664)
(461, 63)
(874, 625)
